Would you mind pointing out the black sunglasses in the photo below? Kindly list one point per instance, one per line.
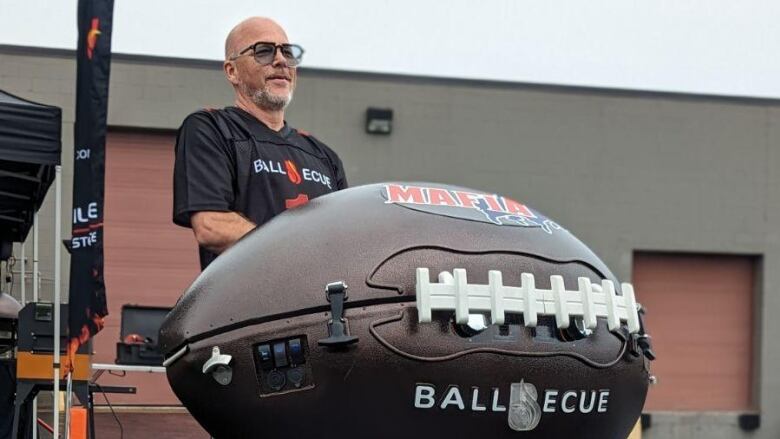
(264, 53)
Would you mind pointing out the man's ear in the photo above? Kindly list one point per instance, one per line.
(230, 72)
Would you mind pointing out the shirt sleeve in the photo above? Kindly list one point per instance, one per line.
(341, 176)
(203, 173)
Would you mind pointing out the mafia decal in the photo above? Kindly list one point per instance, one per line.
(468, 205)
(289, 169)
(524, 408)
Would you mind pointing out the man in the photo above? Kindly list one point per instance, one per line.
(238, 167)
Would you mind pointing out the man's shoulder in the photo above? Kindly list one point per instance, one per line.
(222, 121)
(307, 135)
(204, 115)
(199, 121)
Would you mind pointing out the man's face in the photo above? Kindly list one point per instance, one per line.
(269, 86)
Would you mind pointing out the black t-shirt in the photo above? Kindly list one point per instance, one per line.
(227, 160)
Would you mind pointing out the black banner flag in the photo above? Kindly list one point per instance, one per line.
(87, 293)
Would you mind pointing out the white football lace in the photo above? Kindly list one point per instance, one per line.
(589, 301)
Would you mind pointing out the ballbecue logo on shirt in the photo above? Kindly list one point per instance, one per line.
(290, 169)
(292, 172)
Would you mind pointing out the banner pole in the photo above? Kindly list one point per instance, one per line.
(57, 294)
(68, 404)
(23, 269)
(35, 273)
(35, 299)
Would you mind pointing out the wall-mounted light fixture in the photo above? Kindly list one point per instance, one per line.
(379, 120)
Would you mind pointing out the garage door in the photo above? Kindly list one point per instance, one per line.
(700, 316)
(148, 260)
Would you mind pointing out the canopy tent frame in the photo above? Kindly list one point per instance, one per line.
(30, 148)
(30, 161)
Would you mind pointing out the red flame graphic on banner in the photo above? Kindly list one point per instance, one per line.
(73, 344)
(292, 172)
(92, 37)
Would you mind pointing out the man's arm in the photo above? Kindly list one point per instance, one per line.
(216, 231)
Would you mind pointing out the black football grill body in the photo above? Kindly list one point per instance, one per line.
(268, 293)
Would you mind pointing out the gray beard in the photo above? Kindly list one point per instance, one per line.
(267, 100)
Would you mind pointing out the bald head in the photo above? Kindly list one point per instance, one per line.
(262, 85)
(251, 30)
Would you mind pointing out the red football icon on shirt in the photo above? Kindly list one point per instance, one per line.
(292, 172)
